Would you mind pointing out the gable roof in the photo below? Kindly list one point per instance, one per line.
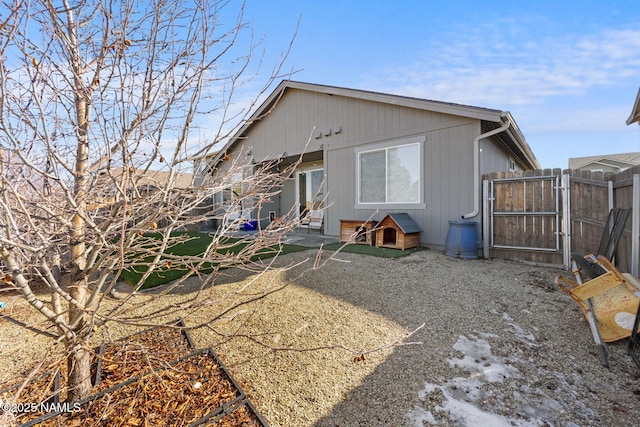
(611, 160)
(404, 222)
(635, 113)
(491, 118)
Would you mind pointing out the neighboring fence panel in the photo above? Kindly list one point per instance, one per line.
(593, 195)
(623, 197)
(589, 210)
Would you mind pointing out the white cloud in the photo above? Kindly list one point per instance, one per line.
(487, 68)
(563, 89)
(588, 119)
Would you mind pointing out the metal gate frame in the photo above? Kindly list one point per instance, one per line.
(561, 214)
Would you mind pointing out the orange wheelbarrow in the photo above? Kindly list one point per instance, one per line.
(609, 302)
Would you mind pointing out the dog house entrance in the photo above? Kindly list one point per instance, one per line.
(389, 237)
(357, 231)
(361, 234)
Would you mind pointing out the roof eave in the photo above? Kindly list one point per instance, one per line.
(479, 113)
(266, 106)
(519, 140)
(635, 113)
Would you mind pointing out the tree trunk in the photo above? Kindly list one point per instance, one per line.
(79, 368)
(79, 359)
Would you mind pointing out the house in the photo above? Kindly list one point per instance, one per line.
(106, 184)
(605, 162)
(611, 162)
(367, 154)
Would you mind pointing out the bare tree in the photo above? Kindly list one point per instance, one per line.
(94, 96)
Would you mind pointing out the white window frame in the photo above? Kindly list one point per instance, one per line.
(386, 145)
(309, 169)
(229, 195)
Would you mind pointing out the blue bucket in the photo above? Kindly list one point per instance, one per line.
(462, 240)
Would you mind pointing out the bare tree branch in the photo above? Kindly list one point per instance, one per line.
(94, 99)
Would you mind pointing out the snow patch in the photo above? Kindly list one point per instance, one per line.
(479, 362)
(526, 337)
(490, 393)
(468, 414)
(419, 416)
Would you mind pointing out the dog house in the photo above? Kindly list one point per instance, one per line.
(398, 231)
(357, 231)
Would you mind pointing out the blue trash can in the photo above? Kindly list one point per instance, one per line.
(462, 240)
(251, 225)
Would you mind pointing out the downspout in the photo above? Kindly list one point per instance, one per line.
(476, 167)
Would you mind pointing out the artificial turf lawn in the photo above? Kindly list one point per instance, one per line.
(196, 246)
(370, 250)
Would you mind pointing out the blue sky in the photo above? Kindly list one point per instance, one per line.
(568, 71)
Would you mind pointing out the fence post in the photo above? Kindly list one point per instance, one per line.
(635, 226)
(610, 194)
(566, 221)
(485, 219)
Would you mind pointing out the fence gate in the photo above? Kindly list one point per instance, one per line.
(523, 218)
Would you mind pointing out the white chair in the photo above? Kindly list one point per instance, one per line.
(230, 221)
(315, 220)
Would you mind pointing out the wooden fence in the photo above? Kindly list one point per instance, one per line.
(623, 191)
(542, 216)
(524, 216)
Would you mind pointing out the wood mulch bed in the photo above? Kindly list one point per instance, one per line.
(145, 351)
(154, 377)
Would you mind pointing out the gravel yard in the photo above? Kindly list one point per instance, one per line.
(495, 343)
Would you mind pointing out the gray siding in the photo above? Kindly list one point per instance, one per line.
(448, 180)
(291, 124)
(289, 127)
(494, 158)
(447, 154)
(287, 197)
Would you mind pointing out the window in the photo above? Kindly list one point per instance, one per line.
(317, 177)
(390, 175)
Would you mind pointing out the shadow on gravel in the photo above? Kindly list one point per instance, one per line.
(499, 346)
